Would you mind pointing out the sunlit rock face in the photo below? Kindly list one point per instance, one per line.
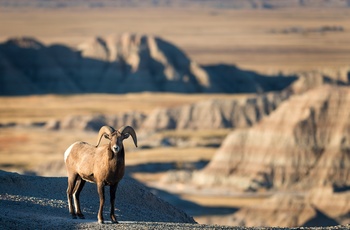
(303, 144)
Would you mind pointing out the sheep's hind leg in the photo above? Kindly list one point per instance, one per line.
(76, 193)
(71, 184)
(112, 191)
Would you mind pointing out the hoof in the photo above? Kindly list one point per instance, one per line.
(100, 222)
(81, 216)
(114, 219)
(74, 216)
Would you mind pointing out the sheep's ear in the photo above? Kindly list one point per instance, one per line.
(126, 135)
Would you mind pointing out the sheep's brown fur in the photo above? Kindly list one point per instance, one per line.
(103, 165)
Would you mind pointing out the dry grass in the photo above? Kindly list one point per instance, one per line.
(208, 36)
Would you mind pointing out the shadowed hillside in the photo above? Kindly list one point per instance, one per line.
(128, 63)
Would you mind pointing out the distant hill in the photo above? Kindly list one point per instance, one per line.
(119, 64)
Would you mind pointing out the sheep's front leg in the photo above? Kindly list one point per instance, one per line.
(112, 191)
(101, 193)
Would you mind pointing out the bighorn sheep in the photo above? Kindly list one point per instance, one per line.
(103, 165)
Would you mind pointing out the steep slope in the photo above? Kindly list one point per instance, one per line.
(304, 143)
(119, 64)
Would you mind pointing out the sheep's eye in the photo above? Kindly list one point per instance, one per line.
(126, 135)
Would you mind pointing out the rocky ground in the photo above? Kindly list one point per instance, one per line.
(31, 202)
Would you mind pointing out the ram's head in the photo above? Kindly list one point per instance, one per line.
(116, 137)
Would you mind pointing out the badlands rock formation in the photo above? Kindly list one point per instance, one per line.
(202, 115)
(215, 114)
(240, 112)
(305, 143)
(300, 153)
(119, 64)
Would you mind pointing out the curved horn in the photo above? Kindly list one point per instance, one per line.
(104, 130)
(130, 130)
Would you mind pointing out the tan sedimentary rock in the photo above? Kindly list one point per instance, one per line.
(303, 144)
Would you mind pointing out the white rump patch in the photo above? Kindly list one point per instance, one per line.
(67, 152)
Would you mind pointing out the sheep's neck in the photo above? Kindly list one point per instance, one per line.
(116, 167)
(116, 159)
